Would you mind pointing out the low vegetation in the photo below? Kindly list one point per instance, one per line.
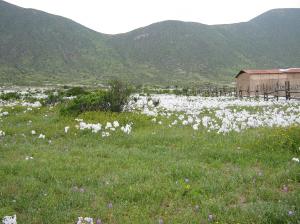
(113, 100)
(10, 96)
(139, 167)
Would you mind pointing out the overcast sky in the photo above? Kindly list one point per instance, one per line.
(118, 16)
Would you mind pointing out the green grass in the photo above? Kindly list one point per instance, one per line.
(238, 177)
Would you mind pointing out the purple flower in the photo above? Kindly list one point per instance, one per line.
(161, 221)
(285, 188)
(98, 221)
(290, 213)
(210, 217)
(110, 205)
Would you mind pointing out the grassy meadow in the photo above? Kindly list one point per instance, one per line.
(154, 175)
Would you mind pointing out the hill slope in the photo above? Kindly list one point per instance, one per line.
(184, 49)
(39, 46)
(36, 46)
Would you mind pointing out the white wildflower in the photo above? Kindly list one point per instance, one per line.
(108, 125)
(41, 136)
(105, 134)
(195, 127)
(35, 104)
(96, 127)
(67, 129)
(86, 220)
(181, 117)
(190, 120)
(174, 122)
(185, 122)
(116, 124)
(126, 129)
(9, 219)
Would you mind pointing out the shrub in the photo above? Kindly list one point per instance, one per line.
(112, 100)
(96, 101)
(58, 96)
(135, 99)
(54, 96)
(10, 96)
(156, 102)
(75, 91)
(118, 95)
(53, 99)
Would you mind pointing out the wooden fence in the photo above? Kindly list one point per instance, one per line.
(275, 92)
(217, 91)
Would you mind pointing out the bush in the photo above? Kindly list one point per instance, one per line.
(118, 95)
(96, 101)
(53, 99)
(58, 96)
(112, 100)
(75, 91)
(10, 96)
(155, 102)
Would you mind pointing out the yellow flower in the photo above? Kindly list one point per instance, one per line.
(187, 187)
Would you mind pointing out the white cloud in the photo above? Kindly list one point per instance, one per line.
(116, 16)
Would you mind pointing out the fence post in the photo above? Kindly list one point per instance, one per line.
(277, 91)
(266, 96)
(287, 90)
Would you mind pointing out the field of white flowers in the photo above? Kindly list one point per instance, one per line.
(220, 114)
(211, 114)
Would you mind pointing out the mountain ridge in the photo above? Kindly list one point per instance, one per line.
(41, 47)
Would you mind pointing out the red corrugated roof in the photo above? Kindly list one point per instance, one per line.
(270, 71)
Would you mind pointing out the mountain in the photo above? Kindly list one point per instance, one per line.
(196, 51)
(37, 47)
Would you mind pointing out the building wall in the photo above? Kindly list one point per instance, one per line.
(294, 80)
(242, 83)
(267, 82)
(259, 83)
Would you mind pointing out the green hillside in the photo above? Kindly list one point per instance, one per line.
(36, 46)
(39, 48)
(184, 49)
